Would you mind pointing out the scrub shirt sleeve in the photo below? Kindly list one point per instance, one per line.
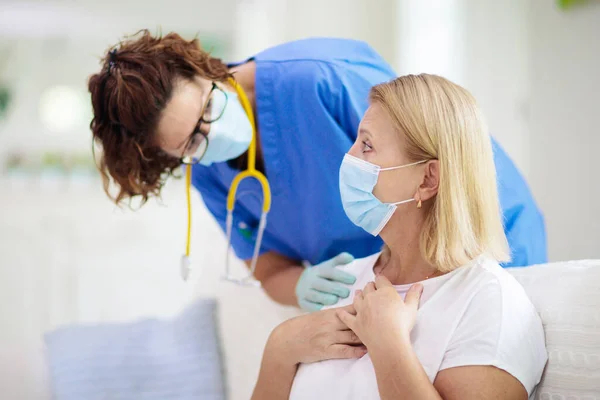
(214, 196)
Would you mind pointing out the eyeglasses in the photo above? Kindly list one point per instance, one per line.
(213, 109)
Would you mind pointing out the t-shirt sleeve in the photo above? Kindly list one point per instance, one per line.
(500, 328)
(214, 196)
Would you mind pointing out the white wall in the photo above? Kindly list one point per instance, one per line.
(430, 38)
(565, 125)
(496, 69)
(264, 23)
(481, 45)
(112, 18)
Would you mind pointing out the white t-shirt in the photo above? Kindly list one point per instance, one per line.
(477, 314)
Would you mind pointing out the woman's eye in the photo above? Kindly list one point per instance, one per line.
(366, 147)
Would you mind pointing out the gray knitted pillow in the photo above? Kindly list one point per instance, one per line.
(150, 359)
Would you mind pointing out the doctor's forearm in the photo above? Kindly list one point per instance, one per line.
(278, 276)
(281, 285)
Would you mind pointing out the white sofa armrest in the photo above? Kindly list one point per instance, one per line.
(567, 297)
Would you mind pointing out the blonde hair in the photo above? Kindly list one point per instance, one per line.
(441, 121)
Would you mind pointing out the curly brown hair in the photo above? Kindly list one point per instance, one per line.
(128, 95)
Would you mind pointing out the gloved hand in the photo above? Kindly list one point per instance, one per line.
(323, 284)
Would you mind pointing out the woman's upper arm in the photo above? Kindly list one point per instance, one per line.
(478, 382)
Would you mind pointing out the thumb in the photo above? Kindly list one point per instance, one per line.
(414, 295)
(342, 259)
(381, 282)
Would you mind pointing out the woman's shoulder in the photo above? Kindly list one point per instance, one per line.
(499, 300)
(485, 273)
(490, 292)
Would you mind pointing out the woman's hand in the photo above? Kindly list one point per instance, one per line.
(314, 337)
(382, 317)
(309, 338)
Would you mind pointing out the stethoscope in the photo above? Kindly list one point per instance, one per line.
(250, 172)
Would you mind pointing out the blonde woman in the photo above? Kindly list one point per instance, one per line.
(435, 316)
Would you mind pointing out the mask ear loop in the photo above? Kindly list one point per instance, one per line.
(402, 202)
(419, 204)
(403, 166)
(395, 205)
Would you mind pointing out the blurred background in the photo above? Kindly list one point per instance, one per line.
(68, 255)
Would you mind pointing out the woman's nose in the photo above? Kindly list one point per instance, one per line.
(355, 150)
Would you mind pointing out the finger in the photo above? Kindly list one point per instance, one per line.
(349, 309)
(359, 293)
(326, 286)
(369, 288)
(413, 295)
(342, 259)
(327, 299)
(346, 337)
(359, 300)
(337, 275)
(347, 319)
(381, 282)
(309, 306)
(333, 321)
(341, 351)
(339, 324)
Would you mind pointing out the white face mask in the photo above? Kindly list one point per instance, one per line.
(230, 135)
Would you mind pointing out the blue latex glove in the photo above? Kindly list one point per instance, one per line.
(323, 284)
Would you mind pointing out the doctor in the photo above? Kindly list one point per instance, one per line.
(288, 114)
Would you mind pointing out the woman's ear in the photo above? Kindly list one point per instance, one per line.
(431, 181)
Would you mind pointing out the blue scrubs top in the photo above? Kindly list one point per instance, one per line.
(310, 97)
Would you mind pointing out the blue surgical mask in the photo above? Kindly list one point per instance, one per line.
(357, 181)
(230, 135)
